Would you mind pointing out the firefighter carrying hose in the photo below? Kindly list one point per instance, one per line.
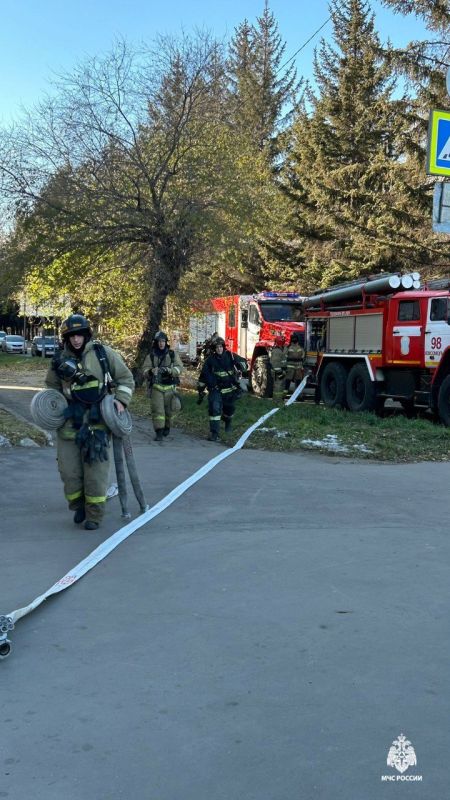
(294, 362)
(220, 376)
(84, 371)
(162, 368)
(278, 362)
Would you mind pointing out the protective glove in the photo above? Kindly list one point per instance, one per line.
(83, 440)
(201, 397)
(100, 439)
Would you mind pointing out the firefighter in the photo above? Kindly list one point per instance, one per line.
(162, 368)
(294, 362)
(220, 375)
(278, 363)
(84, 371)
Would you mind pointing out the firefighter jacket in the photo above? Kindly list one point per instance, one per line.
(220, 372)
(163, 369)
(294, 356)
(84, 391)
(278, 360)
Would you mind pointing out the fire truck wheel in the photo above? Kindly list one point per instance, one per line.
(332, 385)
(361, 391)
(261, 379)
(444, 401)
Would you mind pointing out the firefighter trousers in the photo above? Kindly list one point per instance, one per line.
(221, 405)
(84, 484)
(162, 407)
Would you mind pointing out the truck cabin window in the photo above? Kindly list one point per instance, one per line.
(232, 317)
(439, 310)
(281, 312)
(408, 311)
(253, 316)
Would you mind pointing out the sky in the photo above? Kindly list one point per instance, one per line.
(39, 38)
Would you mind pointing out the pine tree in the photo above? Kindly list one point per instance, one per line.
(435, 12)
(359, 203)
(264, 92)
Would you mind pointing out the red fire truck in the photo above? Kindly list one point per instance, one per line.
(385, 338)
(249, 324)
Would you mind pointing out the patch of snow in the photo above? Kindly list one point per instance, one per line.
(27, 442)
(276, 432)
(4, 442)
(331, 442)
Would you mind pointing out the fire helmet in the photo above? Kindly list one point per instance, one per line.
(219, 340)
(159, 336)
(295, 339)
(279, 340)
(74, 324)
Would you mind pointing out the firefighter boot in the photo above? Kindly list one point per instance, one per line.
(166, 430)
(79, 516)
(227, 421)
(90, 525)
(159, 435)
(213, 430)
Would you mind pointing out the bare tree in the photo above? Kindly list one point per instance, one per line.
(114, 157)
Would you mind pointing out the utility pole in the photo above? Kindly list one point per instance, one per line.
(24, 315)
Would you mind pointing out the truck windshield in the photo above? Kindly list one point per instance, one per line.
(281, 312)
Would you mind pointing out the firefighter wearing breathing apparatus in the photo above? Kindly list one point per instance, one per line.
(278, 362)
(84, 371)
(162, 368)
(220, 376)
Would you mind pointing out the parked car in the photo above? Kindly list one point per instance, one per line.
(44, 346)
(14, 344)
(2, 336)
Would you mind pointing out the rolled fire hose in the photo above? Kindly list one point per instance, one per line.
(120, 426)
(47, 409)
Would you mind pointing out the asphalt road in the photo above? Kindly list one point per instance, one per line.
(267, 637)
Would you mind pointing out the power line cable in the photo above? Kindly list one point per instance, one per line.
(303, 45)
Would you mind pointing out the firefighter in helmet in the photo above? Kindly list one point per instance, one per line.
(162, 368)
(278, 362)
(84, 371)
(220, 375)
(295, 355)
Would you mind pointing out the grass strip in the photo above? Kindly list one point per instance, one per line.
(14, 429)
(306, 426)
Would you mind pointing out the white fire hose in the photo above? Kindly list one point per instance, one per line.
(8, 621)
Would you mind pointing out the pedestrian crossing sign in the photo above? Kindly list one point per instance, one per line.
(438, 152)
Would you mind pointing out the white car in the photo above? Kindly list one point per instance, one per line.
(13, 344)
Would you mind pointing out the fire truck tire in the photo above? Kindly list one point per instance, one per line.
(444, 401)
(261, 378)
(332, 385)
(361, 391)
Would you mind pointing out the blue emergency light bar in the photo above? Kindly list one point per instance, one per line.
(293, 295)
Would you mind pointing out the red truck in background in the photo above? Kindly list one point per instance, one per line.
(371, 340)
(249, 324)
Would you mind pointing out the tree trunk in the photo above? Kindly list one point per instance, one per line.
(165, 277)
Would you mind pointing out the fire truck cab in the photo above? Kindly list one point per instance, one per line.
(249, 324)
